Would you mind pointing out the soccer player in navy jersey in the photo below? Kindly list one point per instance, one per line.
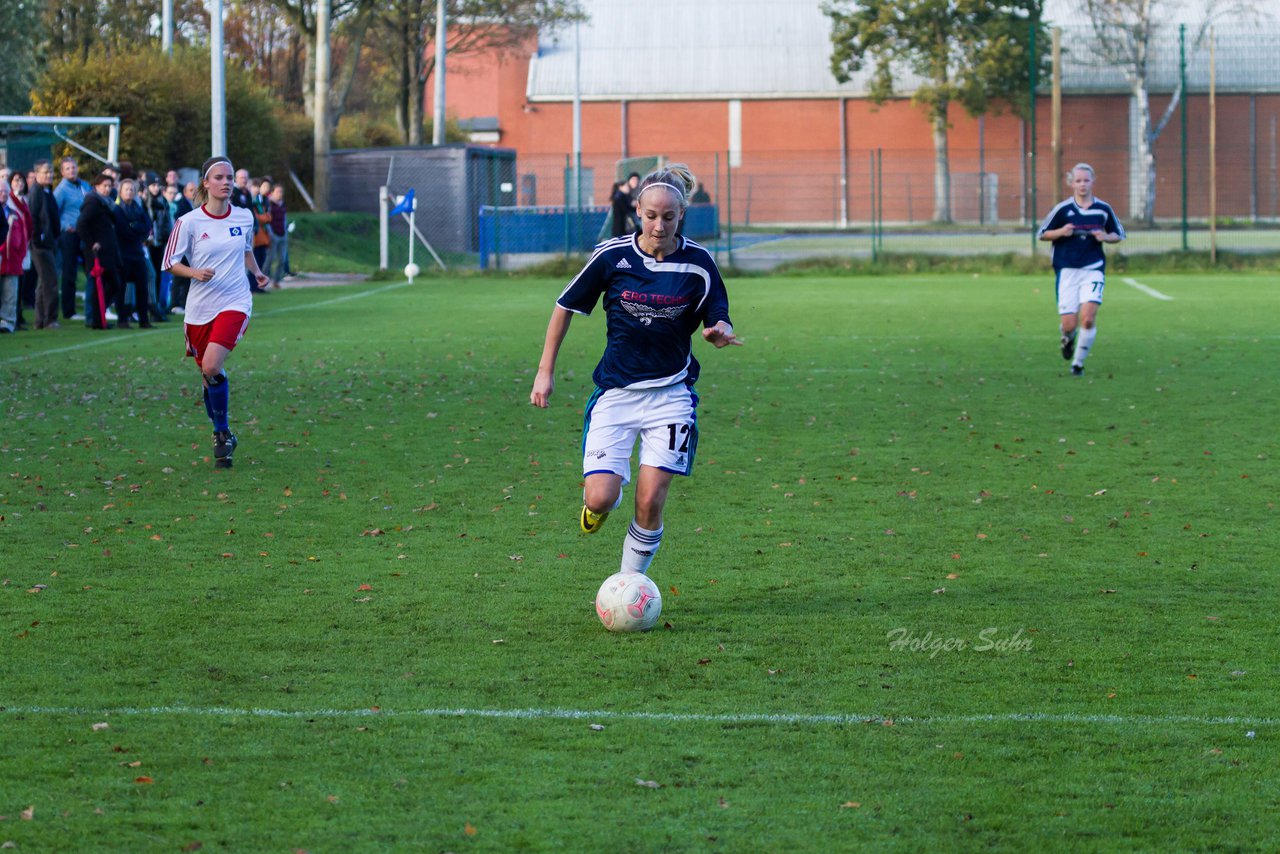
(657, 288)
(213, 247)
(1078, 227)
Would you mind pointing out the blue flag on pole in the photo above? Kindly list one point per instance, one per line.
(404, 206)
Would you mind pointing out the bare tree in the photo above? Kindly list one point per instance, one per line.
(1124, 31)
(474, 26)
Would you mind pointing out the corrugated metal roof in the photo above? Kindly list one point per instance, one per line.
(717, 49)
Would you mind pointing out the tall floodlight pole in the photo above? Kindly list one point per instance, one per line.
(217, 81)
(320, 148)
(442, 29)
(577, 115)
(166, 27)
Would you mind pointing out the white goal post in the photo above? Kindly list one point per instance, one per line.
(56, 124)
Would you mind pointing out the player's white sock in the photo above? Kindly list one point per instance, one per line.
(1084, 340)
(639, 547)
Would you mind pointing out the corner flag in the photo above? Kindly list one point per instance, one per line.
(404, 206)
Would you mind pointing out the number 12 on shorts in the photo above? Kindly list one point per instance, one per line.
(679, 430)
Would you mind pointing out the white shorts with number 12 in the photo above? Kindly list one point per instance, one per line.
(663, 419)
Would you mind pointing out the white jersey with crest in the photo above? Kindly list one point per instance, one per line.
(219, 242)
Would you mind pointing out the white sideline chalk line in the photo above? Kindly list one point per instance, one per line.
(1149, 291)
(661, 717)
(117, 339)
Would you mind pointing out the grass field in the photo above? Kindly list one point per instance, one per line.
(925, 591)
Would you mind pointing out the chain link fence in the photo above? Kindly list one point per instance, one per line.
(494, 208)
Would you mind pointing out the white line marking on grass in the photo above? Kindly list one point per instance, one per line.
(118, 339)
(660, 717)
(336, 300)
(1149, 291)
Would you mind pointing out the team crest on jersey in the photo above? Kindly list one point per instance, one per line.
(646, 314)
(236, 231)
(622, 265)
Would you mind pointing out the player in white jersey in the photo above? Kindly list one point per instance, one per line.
(657, 288)
(1078, 227)
(213, 246)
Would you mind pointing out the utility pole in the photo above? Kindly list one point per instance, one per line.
(442, 30)
(321, 146)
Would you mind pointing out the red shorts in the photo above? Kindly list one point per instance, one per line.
(226, 329)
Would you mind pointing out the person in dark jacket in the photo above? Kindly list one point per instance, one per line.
(180, 204)
(132, 228)
(157, 207)
(97, 232)
(45, 230)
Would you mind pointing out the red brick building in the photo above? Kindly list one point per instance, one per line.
(747, 85)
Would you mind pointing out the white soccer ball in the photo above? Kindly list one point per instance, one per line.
(629, 602)
(411, 271)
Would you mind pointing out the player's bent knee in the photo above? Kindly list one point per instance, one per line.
(216, 379)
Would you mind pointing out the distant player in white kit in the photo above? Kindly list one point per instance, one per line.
(213, 246)
(657, 288)
(1078, 227)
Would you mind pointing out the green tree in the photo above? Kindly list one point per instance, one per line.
(975, 53)
(164, 107)
(18, 69)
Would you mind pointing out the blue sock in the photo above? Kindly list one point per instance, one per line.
(218, 394)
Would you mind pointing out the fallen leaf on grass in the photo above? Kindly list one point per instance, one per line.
(193, 846)
(101, 726)
(373, 532)
(143, 781)
(596, 727)
(648, 784)
(850, 805)
(469, 829)
(29, 813)
(365, 587)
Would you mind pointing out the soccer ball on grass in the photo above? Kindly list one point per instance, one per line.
(629, 602)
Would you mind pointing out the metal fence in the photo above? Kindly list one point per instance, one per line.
(1216, 174)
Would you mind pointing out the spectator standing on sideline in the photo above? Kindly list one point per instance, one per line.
(97, 230)
(632, 187)
(161, 214)
(621, 204)
(261, 206)
(132, 227)
(12, 252)
(242, 197)
(70, 195)
(182, 205)
(1077, 227)
(26, 281)
(46, 226)
(278, 252)
(700, 195)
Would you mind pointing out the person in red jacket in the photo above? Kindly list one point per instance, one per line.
(12, 252)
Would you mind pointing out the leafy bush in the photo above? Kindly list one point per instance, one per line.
(164, 108)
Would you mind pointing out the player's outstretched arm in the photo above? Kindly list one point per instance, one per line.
(545, 381)
(721, 335)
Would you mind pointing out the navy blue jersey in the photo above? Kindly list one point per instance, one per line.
(652, 309)
(1081, 251)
